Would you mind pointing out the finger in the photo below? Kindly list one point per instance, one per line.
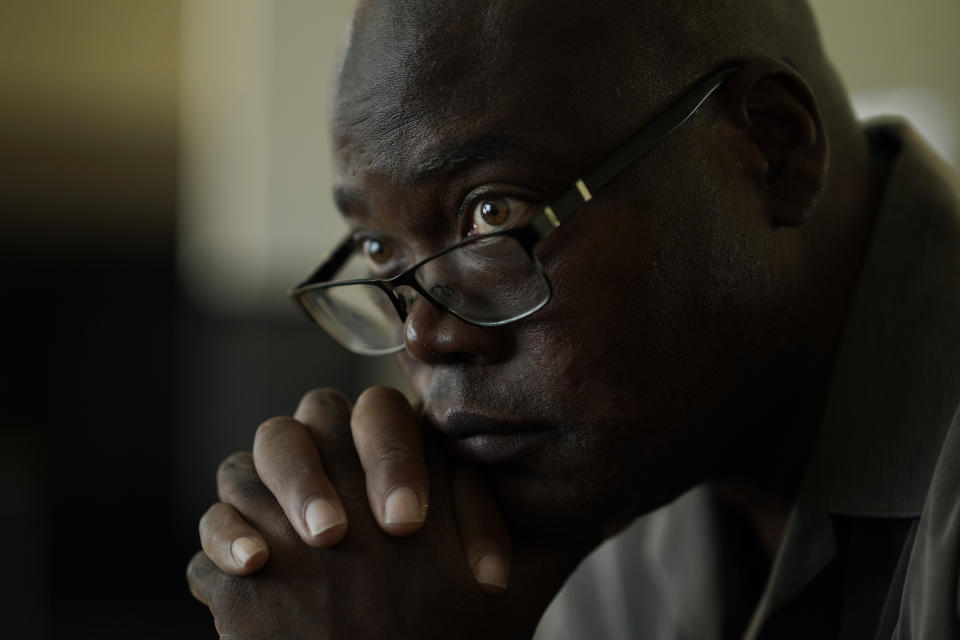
(483, 532)
(326, 415)
(286, 459)
(202, 575)
(237, 481)
(239, 485)
(232, 544)
(386, 433)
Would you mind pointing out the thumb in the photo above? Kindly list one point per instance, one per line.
(483, 531)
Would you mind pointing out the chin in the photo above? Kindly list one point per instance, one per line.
(537, 507)
(559, 501)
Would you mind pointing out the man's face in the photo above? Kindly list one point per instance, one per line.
(639, 377)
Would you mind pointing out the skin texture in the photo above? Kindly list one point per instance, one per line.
(380, 584)
(698, 299)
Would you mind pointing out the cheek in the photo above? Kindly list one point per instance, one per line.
(641, 342)
(612, 320)
(606, 346)
(417, 374)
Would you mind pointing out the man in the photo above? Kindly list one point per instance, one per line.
(753, 298)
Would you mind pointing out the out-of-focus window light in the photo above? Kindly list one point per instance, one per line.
(930, 113)
(899, 58)
(255, 171)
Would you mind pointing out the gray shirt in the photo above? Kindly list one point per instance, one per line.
(872, 546)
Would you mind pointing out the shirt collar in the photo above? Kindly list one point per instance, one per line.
(896, 383)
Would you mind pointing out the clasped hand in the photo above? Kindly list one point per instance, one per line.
(312, 537)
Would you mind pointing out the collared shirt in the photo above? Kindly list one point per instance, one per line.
(872, 546)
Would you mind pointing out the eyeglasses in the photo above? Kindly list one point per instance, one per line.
(486, 280)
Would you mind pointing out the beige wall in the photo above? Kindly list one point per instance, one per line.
(900, 57)
(887, 43)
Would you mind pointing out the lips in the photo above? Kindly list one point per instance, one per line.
(486, 438)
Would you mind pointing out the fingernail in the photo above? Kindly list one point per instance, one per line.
(402, 507)
(245, 548)
(490, 570)
(321, 515)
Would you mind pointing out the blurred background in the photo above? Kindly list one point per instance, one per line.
(164, 177)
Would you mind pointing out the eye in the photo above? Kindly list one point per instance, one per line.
(495, 213)
(377, 251)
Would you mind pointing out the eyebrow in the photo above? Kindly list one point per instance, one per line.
(451, 158)
(443, 162)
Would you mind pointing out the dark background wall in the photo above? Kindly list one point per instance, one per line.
(93, 543)
(120, 394)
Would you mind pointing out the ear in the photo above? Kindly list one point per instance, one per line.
(789, 147)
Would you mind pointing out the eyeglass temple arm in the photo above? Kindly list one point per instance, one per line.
(632, 150)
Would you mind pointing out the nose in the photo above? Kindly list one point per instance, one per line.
(434, 336)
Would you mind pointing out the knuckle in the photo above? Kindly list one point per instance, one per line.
(237, 477)
(393, 453)
(326, 398)
(250, 488)
(237, 463)
(199, 569)
(381, 393)
(273, 428)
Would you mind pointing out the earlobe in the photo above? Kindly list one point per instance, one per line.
(779, 112)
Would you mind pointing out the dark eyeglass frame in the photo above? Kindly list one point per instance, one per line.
(531, 234)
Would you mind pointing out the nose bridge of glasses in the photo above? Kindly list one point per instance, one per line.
(403, 290)
(410, 284)
(439, 296)
(488, 282)
(452, 277)
(404, 296)
(485, 282)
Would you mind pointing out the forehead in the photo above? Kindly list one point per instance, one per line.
(421, 91)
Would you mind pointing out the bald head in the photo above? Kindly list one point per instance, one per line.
(445, 60)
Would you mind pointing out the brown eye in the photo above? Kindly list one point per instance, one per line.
(377, 251)
(491, 213)
(494, 212)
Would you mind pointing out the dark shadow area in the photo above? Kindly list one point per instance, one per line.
(119, 397)
(120, 402)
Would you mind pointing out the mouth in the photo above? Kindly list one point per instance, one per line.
(487, 439)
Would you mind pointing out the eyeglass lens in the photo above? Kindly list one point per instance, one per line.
(489, 281)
